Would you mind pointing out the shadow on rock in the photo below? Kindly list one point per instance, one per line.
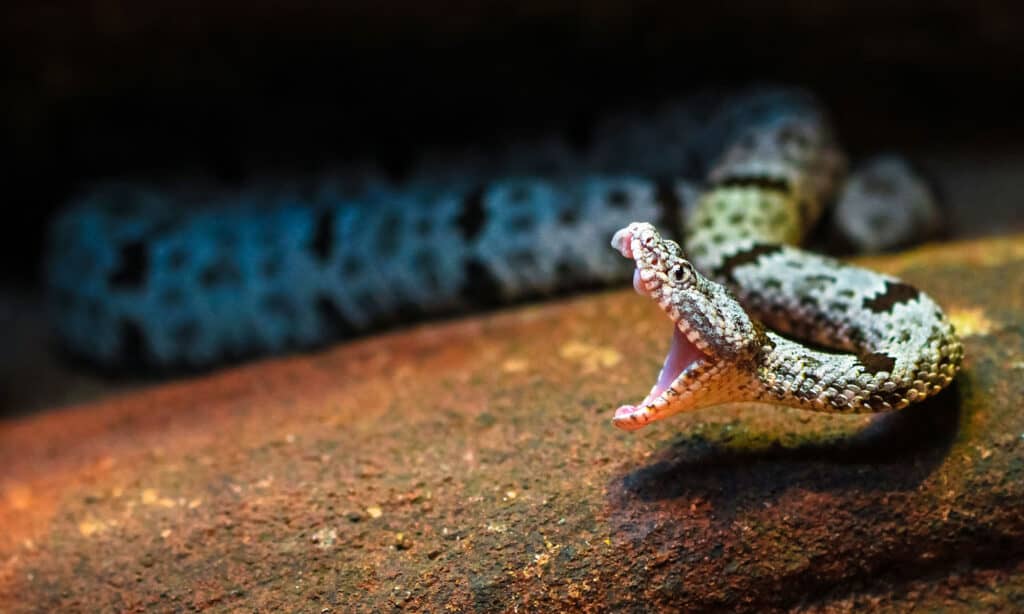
(895, 452)
(723, 516)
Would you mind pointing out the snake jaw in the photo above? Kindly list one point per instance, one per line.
(661, 272)
(682, 360)
(702, 365)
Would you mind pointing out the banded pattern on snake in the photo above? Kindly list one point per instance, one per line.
(136, 276)
(891, 344)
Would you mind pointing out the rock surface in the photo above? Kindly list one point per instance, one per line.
(471, 465)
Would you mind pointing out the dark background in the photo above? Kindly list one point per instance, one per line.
(116, 88)
(96, 89)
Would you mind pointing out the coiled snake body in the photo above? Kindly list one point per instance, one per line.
(190, 276)
(893, 345)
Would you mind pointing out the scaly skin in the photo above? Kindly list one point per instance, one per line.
(894, 346)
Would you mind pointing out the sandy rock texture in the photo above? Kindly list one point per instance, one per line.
(470, 466)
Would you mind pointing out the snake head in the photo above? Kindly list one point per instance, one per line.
(714, 341)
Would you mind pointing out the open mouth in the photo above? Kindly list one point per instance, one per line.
(683, 354)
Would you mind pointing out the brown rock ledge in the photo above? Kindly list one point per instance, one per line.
(472, 465)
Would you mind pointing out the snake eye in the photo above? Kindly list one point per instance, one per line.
(683, 273)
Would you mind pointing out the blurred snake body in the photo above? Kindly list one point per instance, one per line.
(191, 275)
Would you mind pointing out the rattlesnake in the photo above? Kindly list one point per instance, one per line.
(894, 346)
(190, 275)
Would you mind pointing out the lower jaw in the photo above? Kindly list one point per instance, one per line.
(681, 355)
(631, 418)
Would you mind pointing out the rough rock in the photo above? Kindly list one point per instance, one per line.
(471, 465)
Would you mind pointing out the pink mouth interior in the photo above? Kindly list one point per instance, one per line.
(681, 355)
(638, 284)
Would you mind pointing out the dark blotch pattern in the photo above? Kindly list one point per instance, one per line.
(471, 220)
(221, 272)
(481, 288)
(519, 194)
(424, 226)
(877, 362)
(351, 266)
(279, 305)
(522, 259)
(407, 311)
(186, 334)
(895, 293)
(271, 268)
(879, 185)
(323, 236)
(805, 207)
(566, 269)
(568, 216)
(772, 184)
(618, 198)
(333, 319)
(387, 237)
(747, 256)
(173, 296)
(133, 266)
(177, 259)
(134, 349)
(520, 223)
